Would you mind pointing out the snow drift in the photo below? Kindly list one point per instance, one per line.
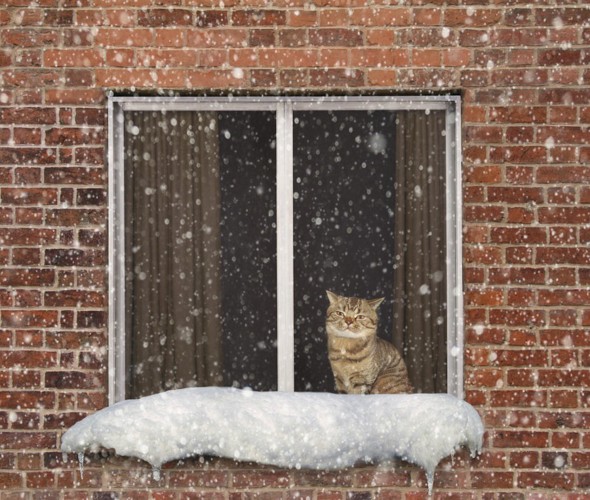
(295, 430)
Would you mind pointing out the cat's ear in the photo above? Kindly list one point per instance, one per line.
(332, 297)
(375, 303)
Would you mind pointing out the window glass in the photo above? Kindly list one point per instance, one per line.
(369, 219)
(215, 281)
(344, 166)
(200, 249)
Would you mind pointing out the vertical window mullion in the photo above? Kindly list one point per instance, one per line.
(116, 255)
(285, 292)
(454, 253)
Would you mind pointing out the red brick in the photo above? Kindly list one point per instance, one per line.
(74, 257)
(381, 37)
(72, 58)
(426, 57)
(376, 16)
(519, 154)
(560, 277)
(521, 439)
(74, 96)
(333, 17)
(383, 478)
(517, 276)
(545, 479)
(27, 37)
(24, 400)
(484, 378)
(165, 17)
(24, 277)
(518, 114)
(302, 18)
(26, 236)
(26, 318)
(338, 37)
(336, 77)
(521, 298)
(563, 318)
(74, 217)
(479, 213)
(485, 480)
(559, 419)
(526, 235)
(515, 195)
(565, 439)
(24, 155)
(426, 16)
(28, 196)
(524, 459)
(378, 57)
(428, 37)
(211, 38)
(482, 335)
(72, 380)
(521, 377)
(27, 136)
(91, 319)
(564, 215)
(74, 298)
(488, 297)
(488, 255)
(27, 359)
(571, 297)
(514, 358)
(258, 17)
(28, 440)
(282, 57)
(75, 175)
(564, 377)
(260, 479)
(10, 480)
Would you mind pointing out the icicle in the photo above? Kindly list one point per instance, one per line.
(156, 472)
(430, 479)
(81, 463)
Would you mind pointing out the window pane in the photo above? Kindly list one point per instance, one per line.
(200, 250)
(248, 235)
(350, 237)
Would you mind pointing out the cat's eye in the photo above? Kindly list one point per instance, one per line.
(360, 316)
(340, 313)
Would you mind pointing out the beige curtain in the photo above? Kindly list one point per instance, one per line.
(173, 249)
(419, 322)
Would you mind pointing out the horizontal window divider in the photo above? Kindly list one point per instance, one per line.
(270, 103)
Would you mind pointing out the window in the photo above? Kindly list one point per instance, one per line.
(230, 217)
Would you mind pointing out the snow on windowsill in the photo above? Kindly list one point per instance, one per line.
(292, 430)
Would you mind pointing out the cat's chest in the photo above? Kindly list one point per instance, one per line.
(344, 351)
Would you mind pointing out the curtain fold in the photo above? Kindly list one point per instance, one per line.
(173, 251)
(419, 316)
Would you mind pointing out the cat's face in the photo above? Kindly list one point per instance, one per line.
(351, 317)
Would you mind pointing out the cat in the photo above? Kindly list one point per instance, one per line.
(362, 363)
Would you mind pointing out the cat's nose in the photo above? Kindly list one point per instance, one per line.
(348, 320)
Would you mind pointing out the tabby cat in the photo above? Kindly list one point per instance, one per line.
(362, 362)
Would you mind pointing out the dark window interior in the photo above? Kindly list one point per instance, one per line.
(343, 225)
(248, 248)
(368, 222)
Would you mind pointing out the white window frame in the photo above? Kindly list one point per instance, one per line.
(284, 108)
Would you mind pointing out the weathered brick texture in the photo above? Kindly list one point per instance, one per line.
(522, 70)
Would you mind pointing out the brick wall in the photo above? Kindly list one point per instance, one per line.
(522, 69)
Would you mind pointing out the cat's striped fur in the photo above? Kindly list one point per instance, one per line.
(362, 362)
